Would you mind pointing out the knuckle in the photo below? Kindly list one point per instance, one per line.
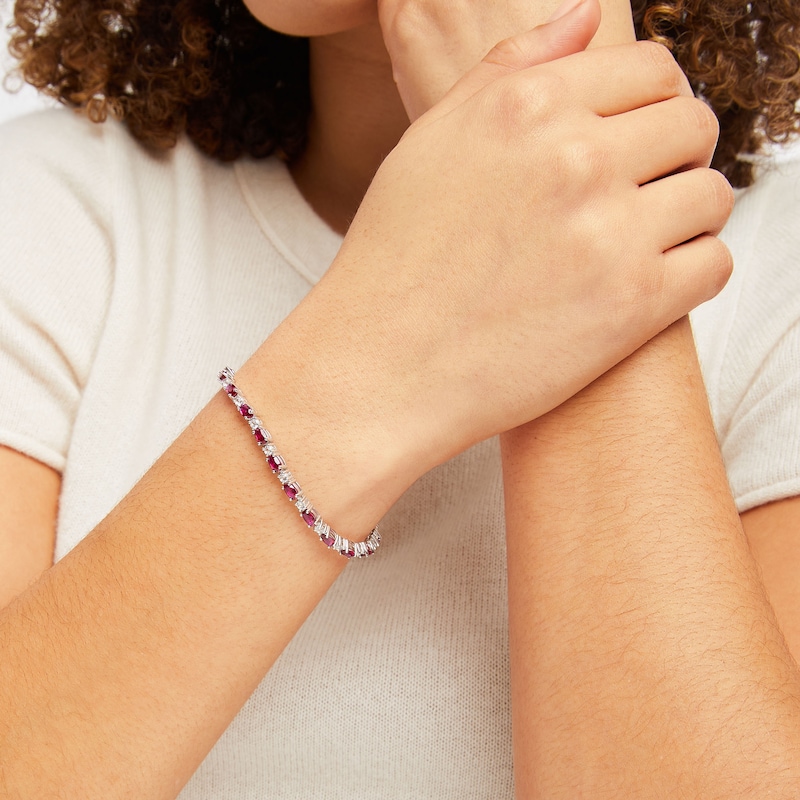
(703, 119)
(507, 53)
(524, 100)
(662, 66)
(719, 265)
(720, 193)
(582, 162)
(407, 20)
(713, 199)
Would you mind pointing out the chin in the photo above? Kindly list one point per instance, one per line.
(312, 17)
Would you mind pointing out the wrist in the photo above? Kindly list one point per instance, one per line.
(334, 423)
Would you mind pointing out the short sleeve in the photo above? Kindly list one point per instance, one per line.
(762, 447)
(760, 436)
(55, 276)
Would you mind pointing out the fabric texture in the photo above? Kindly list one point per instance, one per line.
(128, 279)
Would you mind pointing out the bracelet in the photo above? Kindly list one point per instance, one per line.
(275, 461)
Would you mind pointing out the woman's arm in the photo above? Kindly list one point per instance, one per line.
(28, 507)
(773, 532)
(127, 660)
(646, 660)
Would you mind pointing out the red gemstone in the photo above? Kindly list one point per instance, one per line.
(328, 540)
(245, 411)
(223, 376)
(308, 518)
(230, 389)
(291, 491)
(261, 436)
(274, 463)
(349, 553)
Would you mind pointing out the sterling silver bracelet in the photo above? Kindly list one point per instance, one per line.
(275, 462)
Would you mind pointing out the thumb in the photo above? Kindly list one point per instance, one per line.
(568, 31)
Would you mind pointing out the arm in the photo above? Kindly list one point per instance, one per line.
(28, 509)
(646, 660)
(773, 531)
(645, 657)
(171, 610)
(626, 485)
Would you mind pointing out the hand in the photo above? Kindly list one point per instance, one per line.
(433, 44)
(517, 243)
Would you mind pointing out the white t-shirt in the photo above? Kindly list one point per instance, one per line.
(127, 279)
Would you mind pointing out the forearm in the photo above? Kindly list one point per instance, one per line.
(128, 659)
(646, 661)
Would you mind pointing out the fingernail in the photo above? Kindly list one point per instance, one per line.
(564, 9)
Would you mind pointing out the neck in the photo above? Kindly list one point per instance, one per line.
(357, 118)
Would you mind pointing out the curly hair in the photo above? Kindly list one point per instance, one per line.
(208, 68)
(743, 58)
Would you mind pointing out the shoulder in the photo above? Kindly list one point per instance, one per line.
(87, 218)
(55, 275)
(55, 175)
(55, 224)
(51, 132)
(768, 212)
(765, 219)
(762, 299)
(94, 159)
(57, 144)
(749, 338)
(764, 237)
(77, 187)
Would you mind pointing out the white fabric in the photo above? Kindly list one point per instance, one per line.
(748, 339)
(128, 279)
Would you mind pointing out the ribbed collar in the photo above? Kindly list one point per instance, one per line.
(285, 217)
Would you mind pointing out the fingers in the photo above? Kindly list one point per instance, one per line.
(606, 80)
(681, 207)
(661, 138)
(613, 80)
(562, 36)
(694, 272)
(688, 210)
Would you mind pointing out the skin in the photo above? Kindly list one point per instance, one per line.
(646, 661)
(773, 531)
(28, 513)
(195, 579)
